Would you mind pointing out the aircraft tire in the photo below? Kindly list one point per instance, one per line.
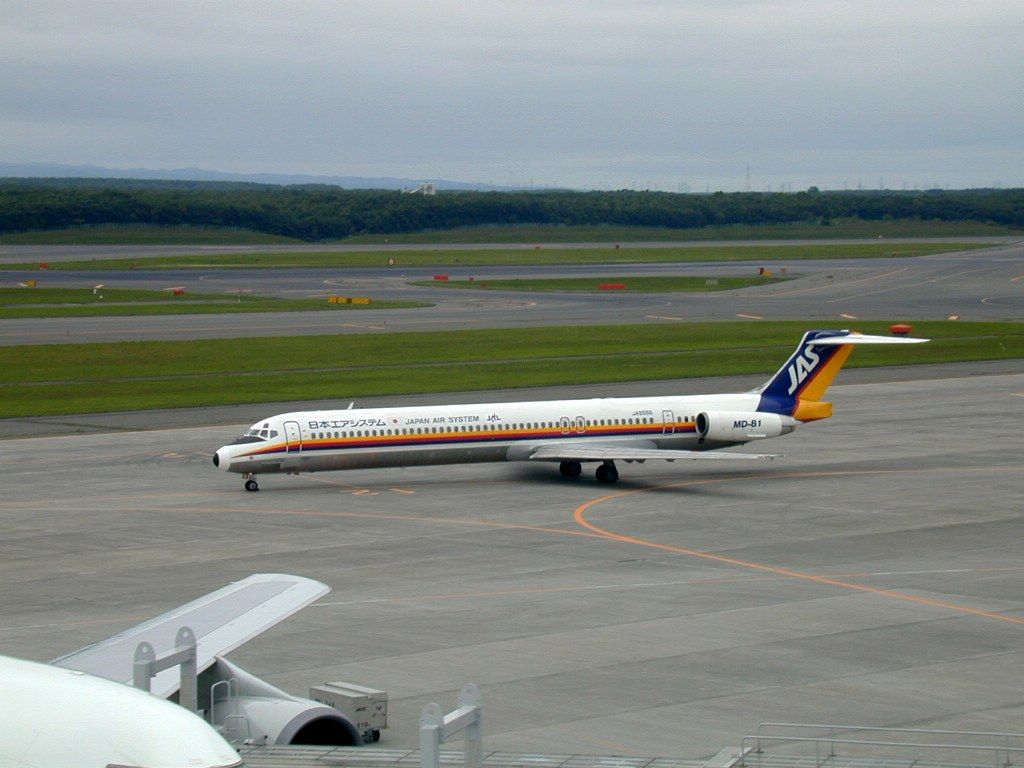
(252, 486)
(571, 469)
(606, 473)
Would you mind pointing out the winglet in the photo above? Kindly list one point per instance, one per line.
(222, 621)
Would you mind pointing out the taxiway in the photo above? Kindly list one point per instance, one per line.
(972, 285)
(872, 575)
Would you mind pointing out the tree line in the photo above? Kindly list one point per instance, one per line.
(324, 213)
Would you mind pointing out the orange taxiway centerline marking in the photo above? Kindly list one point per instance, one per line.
(581, 519)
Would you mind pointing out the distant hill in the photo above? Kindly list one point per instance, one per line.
(55, 170)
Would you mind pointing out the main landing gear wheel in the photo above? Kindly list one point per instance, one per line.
(607, 473)
(251, 485)
(570, 468)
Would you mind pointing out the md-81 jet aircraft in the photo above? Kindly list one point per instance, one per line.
(569, 432)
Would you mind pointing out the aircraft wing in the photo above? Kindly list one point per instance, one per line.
(222, 621)
(626, 452)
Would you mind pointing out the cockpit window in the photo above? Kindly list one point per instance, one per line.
(264, 432)
(249, 437)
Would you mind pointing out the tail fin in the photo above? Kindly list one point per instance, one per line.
(798, 386)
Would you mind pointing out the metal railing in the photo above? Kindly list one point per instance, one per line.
(825, 746)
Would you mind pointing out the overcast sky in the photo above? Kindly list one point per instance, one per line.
(620, 93)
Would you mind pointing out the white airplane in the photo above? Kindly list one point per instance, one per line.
(569, 432)
(81, 709)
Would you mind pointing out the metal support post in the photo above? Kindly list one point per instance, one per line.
(147, 665)
(437, 728)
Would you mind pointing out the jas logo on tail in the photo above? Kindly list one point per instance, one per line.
(801, 368)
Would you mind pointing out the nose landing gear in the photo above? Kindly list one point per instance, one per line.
(251, 484)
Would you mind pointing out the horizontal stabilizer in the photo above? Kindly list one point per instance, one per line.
(222, 621)
(612, 452)
(861, 338)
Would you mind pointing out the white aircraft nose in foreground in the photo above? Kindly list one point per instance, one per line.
(81, 710)
(568, 432)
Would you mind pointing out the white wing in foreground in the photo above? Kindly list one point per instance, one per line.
(222, 621)
(612, 452)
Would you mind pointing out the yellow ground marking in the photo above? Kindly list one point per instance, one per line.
(834, 285)
(751, 317)
(471, 522)
(329, 481)
(910, 285)
(581, 511)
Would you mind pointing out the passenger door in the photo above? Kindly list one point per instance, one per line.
(292, 436)
(668, 423)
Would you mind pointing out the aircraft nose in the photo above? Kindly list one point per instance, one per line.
(221, 459)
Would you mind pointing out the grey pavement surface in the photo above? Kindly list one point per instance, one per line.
(13, 254)
(970, 285)
(872, 575)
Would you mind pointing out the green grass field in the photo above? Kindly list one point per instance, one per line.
(83, 378)
(632, 284)
(144, 236)
(524, 233)
(536, 233)
(89, 302)
(505, 257)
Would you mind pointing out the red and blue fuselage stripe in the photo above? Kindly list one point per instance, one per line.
(466, 438)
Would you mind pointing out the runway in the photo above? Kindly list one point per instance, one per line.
(971, 285)
(13, 254)
(872, 575)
